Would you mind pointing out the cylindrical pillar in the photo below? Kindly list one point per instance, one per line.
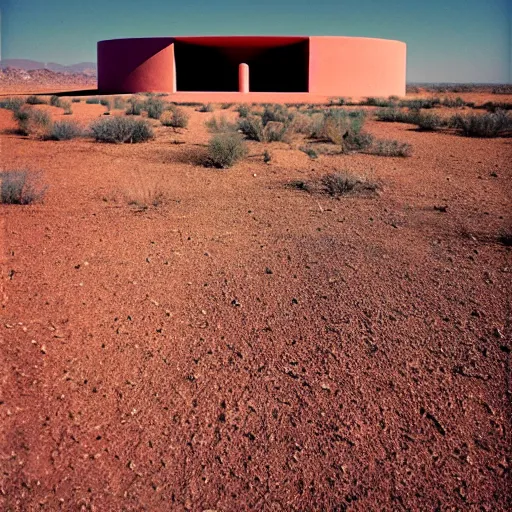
(243, 77)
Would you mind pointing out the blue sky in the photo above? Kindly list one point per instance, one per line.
(448, 40)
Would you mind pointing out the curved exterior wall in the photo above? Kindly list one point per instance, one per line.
(329, 66)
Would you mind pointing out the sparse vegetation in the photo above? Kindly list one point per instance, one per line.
(427, 121)
(21, 186)
(13, 104)
(32, 121)
(220, 125)
(106, 103)
(135, 107)
(225, 106)
(65, 130)
(379, 102)
(121, 129)
(119, 103)
(243, 110)
(208, 107)
(66, 105)
(92, 101)
(154, 107)
(225, 149)
(35, 100)
(343, 183)
(176, 117)
(384, 147)
(309, 151)
(55, 101)
(495, 124)
(76, 100)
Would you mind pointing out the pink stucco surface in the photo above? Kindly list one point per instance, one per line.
(335, 66)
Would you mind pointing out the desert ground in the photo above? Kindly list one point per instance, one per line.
(244, 344)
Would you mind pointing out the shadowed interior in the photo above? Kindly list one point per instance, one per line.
(272, 68)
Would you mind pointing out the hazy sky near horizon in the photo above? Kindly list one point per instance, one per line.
(447, 40)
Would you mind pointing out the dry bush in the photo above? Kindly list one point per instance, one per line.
(35, 100)
(65, 130)
(220, 125)
(55, 101)
(208, 107)
(343, 183)
(175, 117)
(33, 122)
(135, 107)
(21, 186)
(225, 149)
(389, 148)
(243, 110)
(13, 104)
(121, 129)
(92, 101)
(154, 107)
(486, 125)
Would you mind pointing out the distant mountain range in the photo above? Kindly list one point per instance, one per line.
(87, 68)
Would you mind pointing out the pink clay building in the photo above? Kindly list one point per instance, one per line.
(321, 66)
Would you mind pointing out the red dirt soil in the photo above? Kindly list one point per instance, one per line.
(248, 346)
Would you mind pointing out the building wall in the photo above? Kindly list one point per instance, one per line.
(356, 66)
(136, 65)
(338, 66)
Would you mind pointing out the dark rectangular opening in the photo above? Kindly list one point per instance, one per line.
(214, 67)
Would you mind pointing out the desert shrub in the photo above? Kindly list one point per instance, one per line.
(412, 89)
(225, 149)
(154, 107)
(32, 121)
(121, 129)
(75, 100)
(309, 151)
(356, 141)
(66, 105)
(35, 100)
(343, 183)
(252, 127)
(502, 89)
(338, 125)
(175, 117)
(427, 121)
(21, 186)
(379, 102)
(206, 107)
(65, 130)
(243, 110)
(135, 107)
(457, 102)
(394, 115)
(420, 103)
(494, 124)
(220, 125)
(492, 106)
(13, 104)
(338, 101)
(106, 103)
(275, 113)
(389, 148)
(300, 185)
(92, 101)
(225, 106)
(119, 103)
(55, 101)
(302, 123)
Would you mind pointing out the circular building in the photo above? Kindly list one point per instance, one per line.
(318, 65)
